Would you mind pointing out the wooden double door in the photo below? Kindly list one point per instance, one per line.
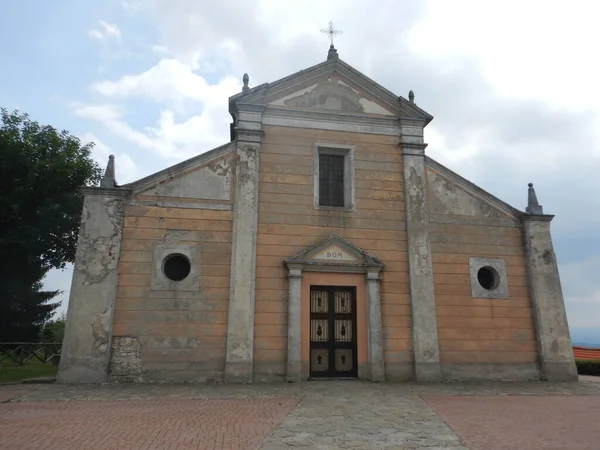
(333, 350)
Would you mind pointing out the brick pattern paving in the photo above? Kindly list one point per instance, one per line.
(228, 423)
(331, 415)
(522, 422)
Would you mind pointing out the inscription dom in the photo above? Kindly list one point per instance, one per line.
(334, 255)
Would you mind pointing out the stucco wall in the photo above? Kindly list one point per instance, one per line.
(478, 337)
(288, 223)
(173, 331)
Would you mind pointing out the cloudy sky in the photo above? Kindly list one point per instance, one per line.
(513, 86)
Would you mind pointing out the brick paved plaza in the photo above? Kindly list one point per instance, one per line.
(319, 415)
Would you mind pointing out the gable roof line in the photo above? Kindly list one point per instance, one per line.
(471, 187)
(384, 90)
(266, 85)
(176, 169)
(381, 93)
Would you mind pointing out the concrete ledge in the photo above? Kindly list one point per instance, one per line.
(179, 376)
(559, 371)
(399, 372)
(490, 371)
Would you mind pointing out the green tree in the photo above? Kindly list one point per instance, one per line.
(42, 171)
(54, 330)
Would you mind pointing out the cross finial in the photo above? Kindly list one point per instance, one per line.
(331, 31)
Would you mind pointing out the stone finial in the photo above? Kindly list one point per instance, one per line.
(533, 207)
(245, 79)
(411, 96)
(332, 53)
(108, 180)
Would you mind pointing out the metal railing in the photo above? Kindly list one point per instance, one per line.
(22, 353)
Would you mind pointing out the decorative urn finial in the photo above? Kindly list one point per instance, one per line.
(245, 79)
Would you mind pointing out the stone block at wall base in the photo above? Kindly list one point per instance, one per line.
(490, 371)
(428, 372)
(82, 370)
(399, 372)
(293, 372)
(559, 371)
(239, 372)
(377, 372)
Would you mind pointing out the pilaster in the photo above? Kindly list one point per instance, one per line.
(552, 329)
(240, 331)
(86, 346)
(375, 333)
(294, 349)
(425, 338)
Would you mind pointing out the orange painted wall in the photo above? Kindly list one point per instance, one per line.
(288, 223)
(480, 330)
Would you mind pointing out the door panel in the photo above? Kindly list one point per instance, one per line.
(333, 331)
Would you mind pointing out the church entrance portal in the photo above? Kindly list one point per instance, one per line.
(333, 350)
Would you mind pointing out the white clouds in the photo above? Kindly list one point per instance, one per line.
(131, 6)
(106, 31)
(533, 49)
(169, 80)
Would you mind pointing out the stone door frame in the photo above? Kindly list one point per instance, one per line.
(355, 261)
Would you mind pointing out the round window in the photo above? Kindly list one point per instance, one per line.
(488, 278)
(176, 267)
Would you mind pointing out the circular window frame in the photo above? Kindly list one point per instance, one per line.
(495, 278)
(170, 257)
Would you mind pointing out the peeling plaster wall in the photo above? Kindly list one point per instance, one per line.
(332, 94)
(556, 351)
(86, 346)
(175, 331)
(479, 337)
(213, 181)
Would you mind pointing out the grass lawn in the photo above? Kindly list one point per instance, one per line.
(10, 372)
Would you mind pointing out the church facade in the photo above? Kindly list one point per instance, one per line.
(320, 242)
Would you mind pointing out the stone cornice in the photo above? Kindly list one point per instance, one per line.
(525, 217)
(117, 192)
(333, 120)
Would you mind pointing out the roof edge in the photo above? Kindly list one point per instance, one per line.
(474, 189)
(176, 169)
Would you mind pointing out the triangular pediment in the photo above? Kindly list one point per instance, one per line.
(206, 176)
(333, 94)
(331, 86)
(335, 251)
(451, 194)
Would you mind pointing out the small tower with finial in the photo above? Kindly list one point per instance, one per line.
(108, 180)
(411, 96)
(533, 206)
(246, 80)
